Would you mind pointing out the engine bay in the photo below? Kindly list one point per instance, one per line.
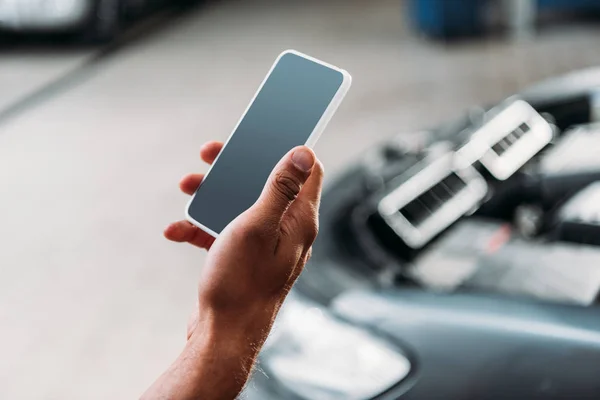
(503, 201)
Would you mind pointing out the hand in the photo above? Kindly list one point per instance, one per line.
(249, 270)
(274, 236)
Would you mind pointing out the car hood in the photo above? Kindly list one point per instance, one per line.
(473, 346)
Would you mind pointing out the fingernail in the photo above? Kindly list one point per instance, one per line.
(303, 159)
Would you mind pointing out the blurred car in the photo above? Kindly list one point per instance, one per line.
(94, 20)
(462, 266)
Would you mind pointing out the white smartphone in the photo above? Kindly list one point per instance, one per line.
(292, 106)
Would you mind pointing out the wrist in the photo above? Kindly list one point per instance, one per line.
(233, 330)
(230, 339)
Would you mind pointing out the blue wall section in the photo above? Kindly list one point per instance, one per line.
(452, 18)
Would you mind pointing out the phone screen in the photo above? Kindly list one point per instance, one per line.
(283, 115)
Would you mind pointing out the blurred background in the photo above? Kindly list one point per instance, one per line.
(106, 103)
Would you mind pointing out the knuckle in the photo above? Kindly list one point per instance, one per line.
(287, 186)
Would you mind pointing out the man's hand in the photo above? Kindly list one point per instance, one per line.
(249, 270)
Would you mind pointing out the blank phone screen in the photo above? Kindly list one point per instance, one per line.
(283, 115)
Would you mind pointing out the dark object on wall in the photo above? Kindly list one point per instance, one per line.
(446, 19)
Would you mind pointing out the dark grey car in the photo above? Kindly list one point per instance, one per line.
(496, 306)
(92, 19)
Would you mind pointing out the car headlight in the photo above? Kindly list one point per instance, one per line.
(316, 356)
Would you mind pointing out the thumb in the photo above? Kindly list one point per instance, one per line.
(285, 182)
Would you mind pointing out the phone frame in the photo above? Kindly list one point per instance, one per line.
(312, 139)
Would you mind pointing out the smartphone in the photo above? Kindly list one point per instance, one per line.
(292, 106)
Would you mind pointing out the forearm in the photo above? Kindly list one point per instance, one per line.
(217, 359)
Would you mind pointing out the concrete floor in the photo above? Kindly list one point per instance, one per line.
(93, 301)
(24, 72)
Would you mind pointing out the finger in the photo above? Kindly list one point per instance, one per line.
(301, 221)
(285, 183)
(184, 231)
(190, 183)
(210, 150)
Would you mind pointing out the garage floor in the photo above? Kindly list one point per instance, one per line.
(93, 301)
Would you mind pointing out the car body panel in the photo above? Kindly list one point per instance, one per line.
(474, 346)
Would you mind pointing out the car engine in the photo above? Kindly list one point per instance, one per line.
(502, 201)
